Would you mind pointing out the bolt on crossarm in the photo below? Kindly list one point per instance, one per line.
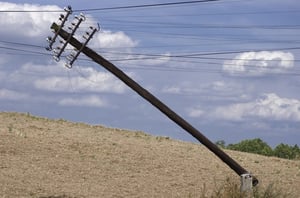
(158, 104)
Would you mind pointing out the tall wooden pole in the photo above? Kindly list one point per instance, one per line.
(154, 101)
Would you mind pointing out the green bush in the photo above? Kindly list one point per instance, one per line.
(258, 146)
(286, 151)
(252, 146)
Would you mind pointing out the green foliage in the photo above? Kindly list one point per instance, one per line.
(258, 146)
(286, 151)
(252, 146)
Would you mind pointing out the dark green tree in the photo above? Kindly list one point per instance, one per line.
(252, 146)
(286, 151)
(296, 150)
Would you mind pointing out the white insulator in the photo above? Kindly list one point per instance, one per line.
(56, 58)
(49, 39)
(82, 16)
(68, 65)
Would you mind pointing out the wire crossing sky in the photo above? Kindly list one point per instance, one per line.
(121, 7)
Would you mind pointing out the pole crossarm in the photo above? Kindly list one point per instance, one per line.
(154, 101)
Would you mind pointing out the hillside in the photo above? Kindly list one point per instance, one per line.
(56, 158)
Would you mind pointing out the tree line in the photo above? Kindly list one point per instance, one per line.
(258, 146)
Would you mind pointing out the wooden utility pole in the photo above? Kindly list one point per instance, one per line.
(155, 102)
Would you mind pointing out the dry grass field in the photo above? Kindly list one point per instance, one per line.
(47, 158)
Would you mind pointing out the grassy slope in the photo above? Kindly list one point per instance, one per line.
(43, 158)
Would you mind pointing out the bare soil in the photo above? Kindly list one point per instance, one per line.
(47, 158)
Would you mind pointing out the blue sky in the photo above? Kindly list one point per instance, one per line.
(230, 68)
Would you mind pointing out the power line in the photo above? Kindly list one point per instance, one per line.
(146, 5)
(228, 39)
(150, 56)
(193, 54)
(212, 14)
(198, 25)
(23, 50)
(170, 68)
(22, 44)
(120, 7)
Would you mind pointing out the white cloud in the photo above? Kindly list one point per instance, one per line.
(88, 80)
(172, 89)
(6, 94)
(209, 89)
(196, 112)
(57, 78)
(29, 24)
(109, 39)
(259, 63)
(33, 24)
(270, 106)
(89, 101)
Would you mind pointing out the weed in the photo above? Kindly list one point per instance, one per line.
(270, 192)
(162, 138)
(231, 189)
(10, 128)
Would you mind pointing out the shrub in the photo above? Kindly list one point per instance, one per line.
(286, 151)
(252, 146)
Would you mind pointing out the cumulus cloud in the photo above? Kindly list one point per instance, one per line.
(172, 89)
(215, 88)
(196, 112)
(31, 24)
(88, 80)
(109, 39)
(270, 106)
(57, 78)
(259, 63)
(89, 101)
(6, 94)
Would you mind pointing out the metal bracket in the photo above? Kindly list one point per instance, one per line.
(63, 19)
(72, 57)
(80, 19)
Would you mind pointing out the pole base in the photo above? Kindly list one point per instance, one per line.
(246, 183)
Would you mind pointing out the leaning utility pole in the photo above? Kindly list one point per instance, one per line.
(247, 180)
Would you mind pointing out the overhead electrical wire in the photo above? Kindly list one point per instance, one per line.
(213, 38)
(187, 55)
(22, 44)
(24, 50)
(265, 12)
(122, 7)
(203, 67)
(127, 23)
(147, 5)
